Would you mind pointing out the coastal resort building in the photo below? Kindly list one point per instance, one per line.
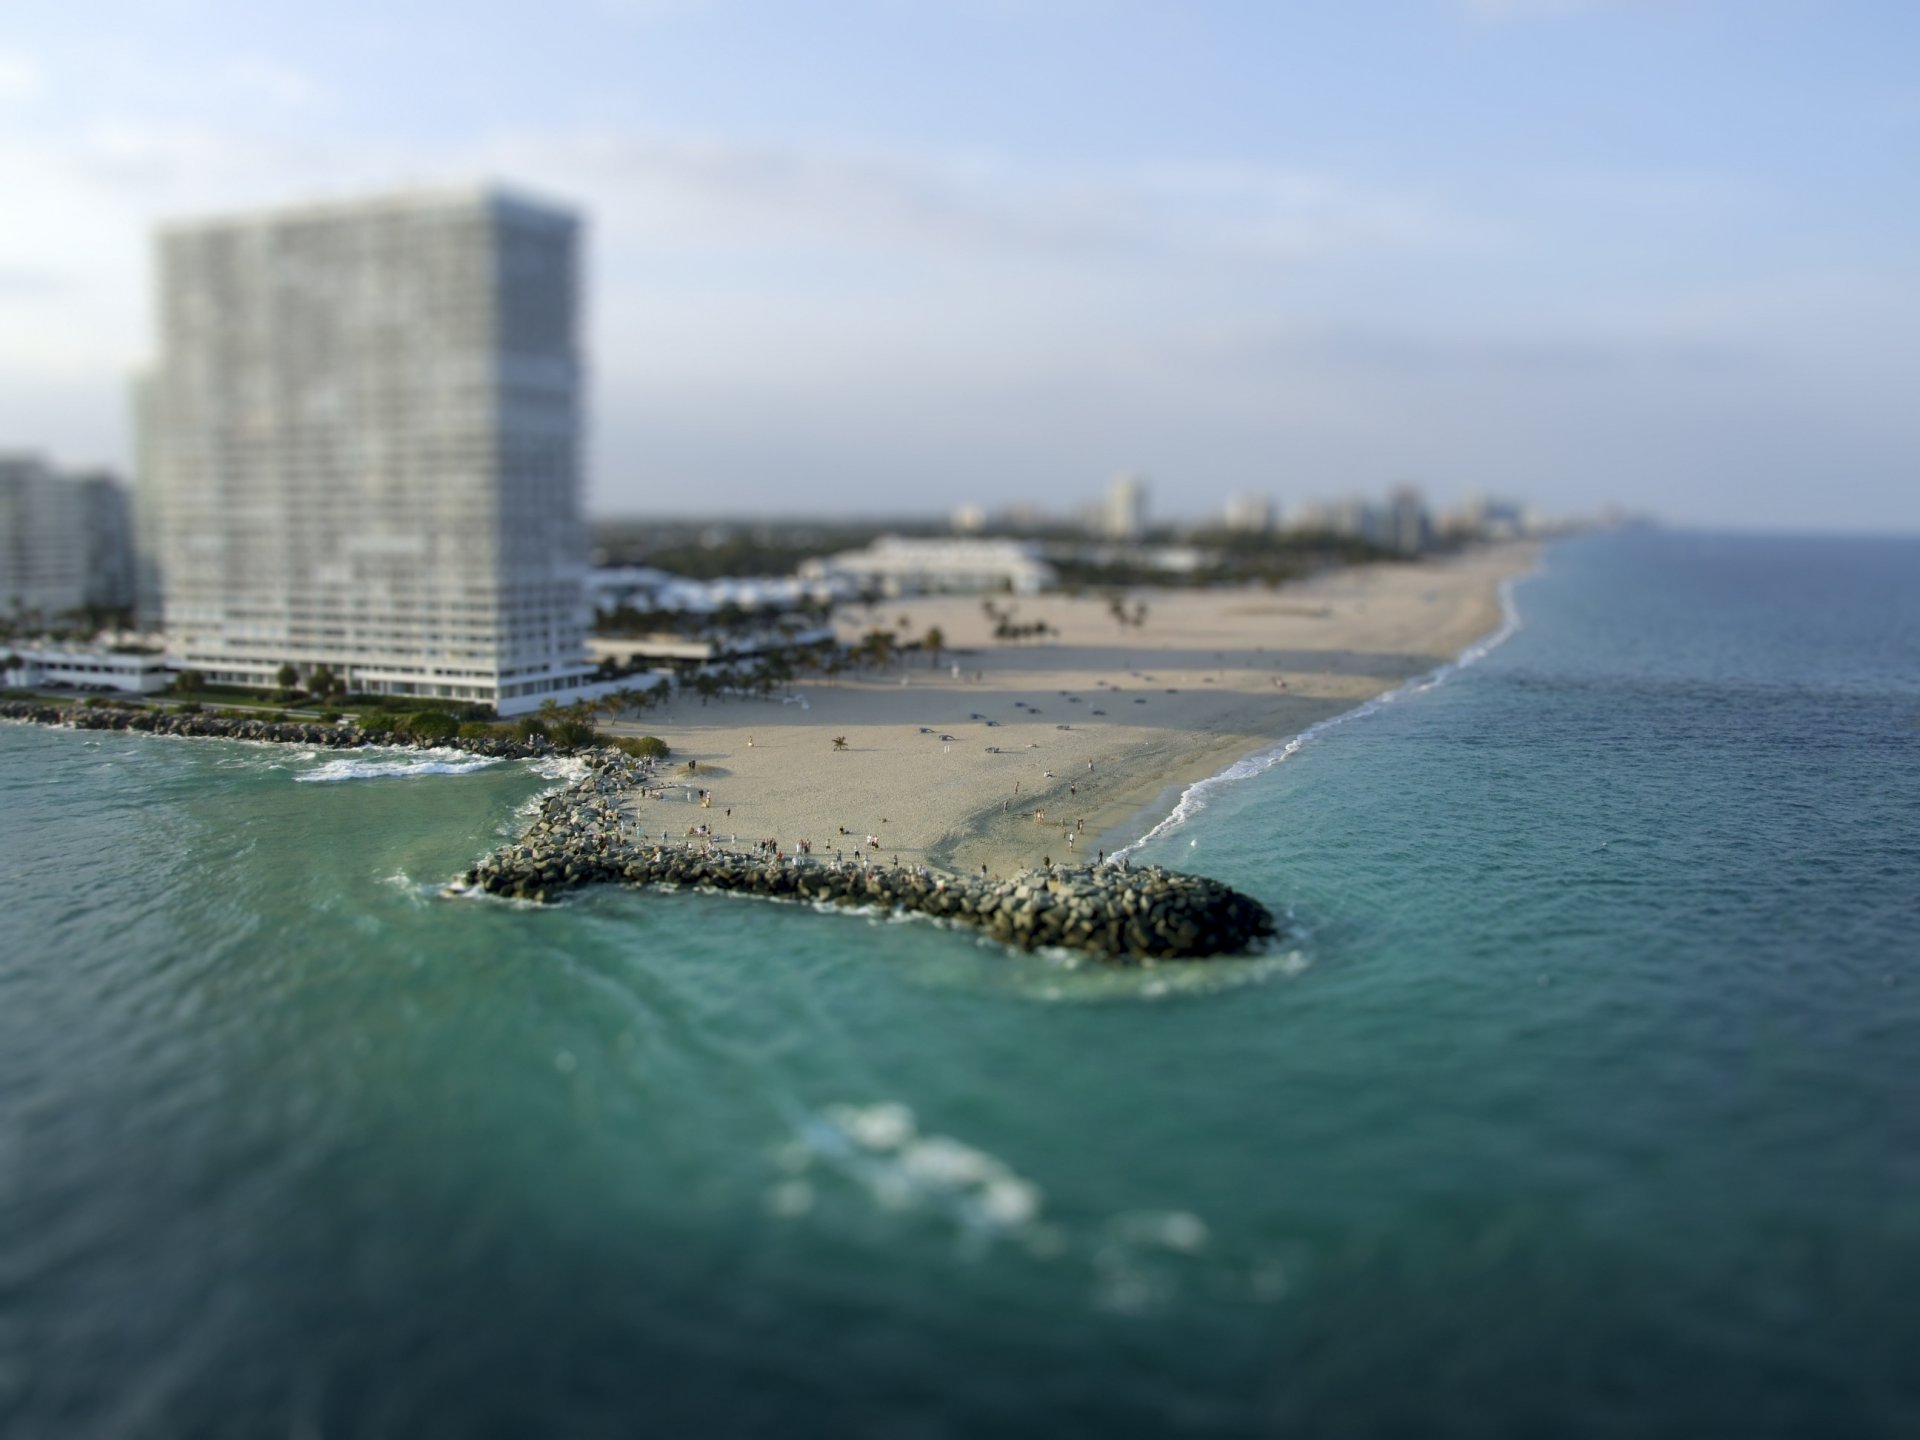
(361, 447)
(896, 565)
(128, 670)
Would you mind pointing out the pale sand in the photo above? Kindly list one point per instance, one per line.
(1184, 696)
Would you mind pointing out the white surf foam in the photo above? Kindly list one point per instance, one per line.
(390, 766)
(881, 1150)
(1198, 795)
(1131, 1261)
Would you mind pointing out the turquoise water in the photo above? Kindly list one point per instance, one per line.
(1582, 1102)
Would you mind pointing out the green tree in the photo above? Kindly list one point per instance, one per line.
(936, 641)
(190, 680)
(427, 725)
(839, 742)
(286, 676)
(570, 732)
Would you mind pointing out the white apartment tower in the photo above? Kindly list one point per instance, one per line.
(1126, 510)
(362, 446)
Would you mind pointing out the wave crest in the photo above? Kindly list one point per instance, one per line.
(397, 767)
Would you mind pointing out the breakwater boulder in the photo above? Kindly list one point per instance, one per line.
(581, 836)
(282, 732)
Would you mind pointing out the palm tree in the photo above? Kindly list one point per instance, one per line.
(935, 641)
(839, 742)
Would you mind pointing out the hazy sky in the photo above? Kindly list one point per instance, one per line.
(895, 254)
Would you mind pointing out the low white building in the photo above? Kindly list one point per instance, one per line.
(86, 668)
(896, 565)
(641, 587)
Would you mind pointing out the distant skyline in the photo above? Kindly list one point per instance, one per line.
(890, 256)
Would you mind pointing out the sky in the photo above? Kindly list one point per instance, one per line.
(890, 256)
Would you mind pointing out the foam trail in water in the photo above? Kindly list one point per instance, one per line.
(1196, 796)
(390, 766)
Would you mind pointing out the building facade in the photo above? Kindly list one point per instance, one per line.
(65, 542)
(361, 445)
(898, 565)
(1249, 514)
(1125, 517)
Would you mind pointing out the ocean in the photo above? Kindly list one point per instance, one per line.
(1581, 1098)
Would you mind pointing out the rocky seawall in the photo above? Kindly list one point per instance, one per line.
(283, 732)
(581, 837)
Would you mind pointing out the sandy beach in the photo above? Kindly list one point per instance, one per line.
(1005, 754)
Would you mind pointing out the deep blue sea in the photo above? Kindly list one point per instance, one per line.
(1584, 1099)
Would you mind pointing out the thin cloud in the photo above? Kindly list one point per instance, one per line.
(748, 195)
(20, 78)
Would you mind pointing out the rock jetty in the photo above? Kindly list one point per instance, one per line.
(283, 732)
(581, 836)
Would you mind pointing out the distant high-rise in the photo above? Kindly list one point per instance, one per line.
(361, 446)
(1126, 514)
(1249, 514)
(64, 541)
(1408, 527)
(43, 543)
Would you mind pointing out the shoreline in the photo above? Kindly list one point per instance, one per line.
(1012, 758)
(1002, 757)
(1192, 798)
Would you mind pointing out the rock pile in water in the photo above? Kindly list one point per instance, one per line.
(284, 732)
(581, 837)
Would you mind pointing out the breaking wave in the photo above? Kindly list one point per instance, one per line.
(398, 766)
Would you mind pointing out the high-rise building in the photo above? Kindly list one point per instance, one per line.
(43, 542)
(1126, 512)
(362, 446)
(107, 521)
(64, 541)
(1408, 527)
(1249, 514)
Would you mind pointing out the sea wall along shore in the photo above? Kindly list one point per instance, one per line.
(581, 836)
